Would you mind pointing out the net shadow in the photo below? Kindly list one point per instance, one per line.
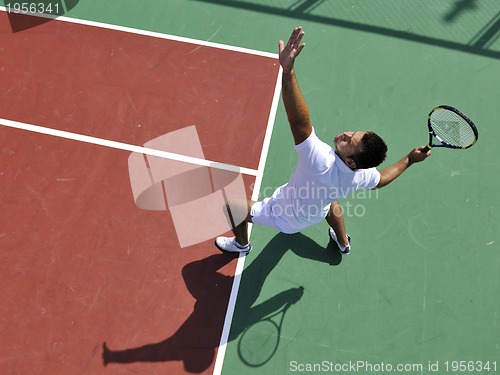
(306, 10)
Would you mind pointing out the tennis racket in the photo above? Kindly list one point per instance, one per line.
(451, 128)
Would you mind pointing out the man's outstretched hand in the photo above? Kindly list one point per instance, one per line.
(289, 53)
(416, 155)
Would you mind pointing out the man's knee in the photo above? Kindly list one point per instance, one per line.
(335, 210)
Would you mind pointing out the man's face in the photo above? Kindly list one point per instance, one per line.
(348, 144)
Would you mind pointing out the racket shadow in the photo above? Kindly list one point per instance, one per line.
(195, 342)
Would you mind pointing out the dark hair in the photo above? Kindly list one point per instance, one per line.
(373, 151)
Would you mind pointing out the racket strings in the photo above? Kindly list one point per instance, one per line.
(452, 128)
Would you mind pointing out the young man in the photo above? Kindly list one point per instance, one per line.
(324, 173)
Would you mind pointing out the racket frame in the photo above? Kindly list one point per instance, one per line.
(267, 318)
(432, 133)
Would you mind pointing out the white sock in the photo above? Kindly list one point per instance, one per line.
(240, 246)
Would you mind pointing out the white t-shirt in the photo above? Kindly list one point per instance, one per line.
(321, 177)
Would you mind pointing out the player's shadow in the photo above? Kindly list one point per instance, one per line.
(196, 340)
(19, 12)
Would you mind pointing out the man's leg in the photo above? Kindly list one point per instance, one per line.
(336, 221)
(240, 230)
(239, 216)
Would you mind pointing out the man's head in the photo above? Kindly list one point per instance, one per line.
(360, 150)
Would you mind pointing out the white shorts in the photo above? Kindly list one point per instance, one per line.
(262, 214)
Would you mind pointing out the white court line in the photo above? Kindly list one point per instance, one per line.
(151, 34)
(221, 352)
(127, 147)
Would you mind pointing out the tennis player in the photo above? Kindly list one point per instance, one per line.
(325, 173)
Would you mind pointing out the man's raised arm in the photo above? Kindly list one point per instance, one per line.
(295, 105)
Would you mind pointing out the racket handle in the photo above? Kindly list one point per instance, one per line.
(425, 150)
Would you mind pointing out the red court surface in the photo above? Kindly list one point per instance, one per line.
(106, 83)
(81, 265)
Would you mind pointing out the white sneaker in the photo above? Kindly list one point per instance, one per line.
(230, 245)
(343, 249)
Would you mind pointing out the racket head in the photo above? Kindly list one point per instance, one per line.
(451, 127)
(259, 342)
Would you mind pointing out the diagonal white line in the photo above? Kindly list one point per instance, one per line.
(221, 352)
(127, 147)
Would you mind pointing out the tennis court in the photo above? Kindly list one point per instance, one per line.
(94, 284)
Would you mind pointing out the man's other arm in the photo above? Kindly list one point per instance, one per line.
(392, 172)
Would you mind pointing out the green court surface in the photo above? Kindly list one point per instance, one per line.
(419, 291)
